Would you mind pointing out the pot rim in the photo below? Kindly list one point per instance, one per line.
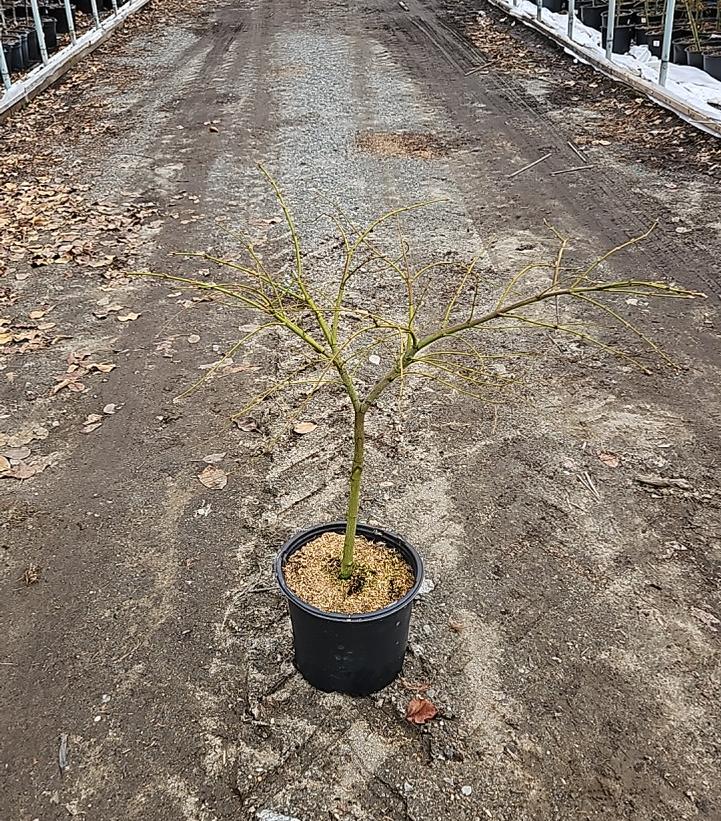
(369, 531)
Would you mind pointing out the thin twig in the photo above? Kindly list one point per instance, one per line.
(530, 165)
(577, 151)
(571, 170)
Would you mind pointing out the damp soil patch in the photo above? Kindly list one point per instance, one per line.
(380, 577)
(401, 144)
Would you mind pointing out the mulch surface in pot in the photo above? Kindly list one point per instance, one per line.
(380, 577)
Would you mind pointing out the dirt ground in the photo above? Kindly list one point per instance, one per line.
(143, 644)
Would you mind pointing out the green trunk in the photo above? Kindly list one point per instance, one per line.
(346, 568)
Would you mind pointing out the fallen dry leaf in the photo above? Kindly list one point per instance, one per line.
(93, 417)
(129, 317)
(6, 338)
(4, 464)
(193, 339)
(103, 367)
(304, 427)
(246, 423)
(110, 409)
(456, 626)
(420, 710)
(39, 314)
(90, 428)
(16, 454)
(213, 477)
(21, 471)
(609, 459)
(214, 458)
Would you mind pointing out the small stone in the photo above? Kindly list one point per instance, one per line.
(467, 790)
(427, 586)
(272, 815)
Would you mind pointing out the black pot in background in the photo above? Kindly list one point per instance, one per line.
(694, 58)
(57, 12)
(556, 6)
(50, 32)
(712, 65)
(655, 43)
(33, 47)
(357, 654)
(591, 16)
(640, 36)
(622, 36)
(23, 36)
(16, 61)
(626, 19)
(678, 53)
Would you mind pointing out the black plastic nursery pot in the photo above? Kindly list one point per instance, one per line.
(24, 48)
(622, 36)
(591, 16)
(694, 58)
(655, 42)
(353, 654)
(678, 53)
(16, 62)
(57, 12)
(556, 6)
(712, 65)
(33, 47)
(50, 33)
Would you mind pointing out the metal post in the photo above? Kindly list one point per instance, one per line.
(7, 82)
(39, 31)
(610, 28)
(71, 22)
(666, 45)
(115, 6)
(539, 10)
(96, 16)
(571, 15)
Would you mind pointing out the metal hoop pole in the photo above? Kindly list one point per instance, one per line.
(666, 46)
(39, 31)
(4, 70)
(71, 22)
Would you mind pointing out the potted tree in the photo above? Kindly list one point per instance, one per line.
(694, 13)
(349, 586)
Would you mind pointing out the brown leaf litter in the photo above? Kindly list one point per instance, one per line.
(380, 577)
(213, 477)
(79, 366)
(420, 710)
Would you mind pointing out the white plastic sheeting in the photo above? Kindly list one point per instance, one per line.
(693, 88)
